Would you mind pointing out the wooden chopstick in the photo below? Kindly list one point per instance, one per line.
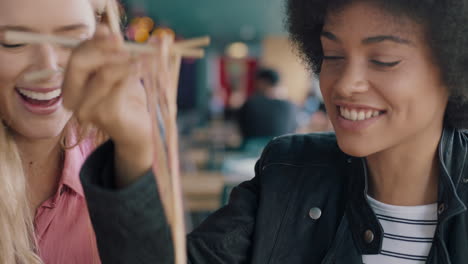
(37, 38)
(194, 42)
(112, 15)
(166, 161)
(174, 166)
(39, 75)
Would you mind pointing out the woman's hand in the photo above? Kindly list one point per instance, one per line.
(103, 87)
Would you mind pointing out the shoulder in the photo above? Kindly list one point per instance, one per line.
(303, 150)
(87, 145)
(311, 166)
(251, 102)
(285, 103)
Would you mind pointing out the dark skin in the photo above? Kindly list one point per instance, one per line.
(386, 100)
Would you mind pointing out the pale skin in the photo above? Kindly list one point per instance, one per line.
(110, 100)
(397, 76)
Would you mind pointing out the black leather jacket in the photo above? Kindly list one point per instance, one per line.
(269, 219)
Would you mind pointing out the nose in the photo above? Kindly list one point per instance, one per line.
(46, 58)
(352, 80)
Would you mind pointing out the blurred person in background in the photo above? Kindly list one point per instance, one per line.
(313, 114)
(266, 114)
(317, 121)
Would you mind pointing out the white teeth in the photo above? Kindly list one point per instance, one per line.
(41, 96)
(357, 115)
(353, 115)
(361, 116)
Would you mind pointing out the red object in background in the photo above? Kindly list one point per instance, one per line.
(237, 77)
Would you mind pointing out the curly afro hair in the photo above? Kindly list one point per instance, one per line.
(446, 24)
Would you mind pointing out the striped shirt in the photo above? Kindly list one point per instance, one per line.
(408, 233)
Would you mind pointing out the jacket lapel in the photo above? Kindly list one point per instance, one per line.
(343, 250)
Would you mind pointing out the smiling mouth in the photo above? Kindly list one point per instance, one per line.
(353, 114)
(43, 99)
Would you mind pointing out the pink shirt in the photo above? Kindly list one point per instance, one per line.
(63, 229)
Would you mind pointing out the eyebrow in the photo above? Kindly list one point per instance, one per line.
(382, 38)
(61, 29)
(330, 36)
(369, 40)
(72, 27)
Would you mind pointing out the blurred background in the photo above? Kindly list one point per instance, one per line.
(250, 87)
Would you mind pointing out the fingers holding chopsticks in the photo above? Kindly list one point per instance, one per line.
(102, 86)
(102, 50)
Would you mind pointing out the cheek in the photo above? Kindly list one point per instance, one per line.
(426, 104)
(11, 68)
(326, 83)
(412, 93)
(396, 89)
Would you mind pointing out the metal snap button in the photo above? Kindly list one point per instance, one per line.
(368, 236)
(441, 208)
(315, 213)
(350, 160)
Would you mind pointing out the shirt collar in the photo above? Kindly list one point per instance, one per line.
(453, 150)
(73, 160)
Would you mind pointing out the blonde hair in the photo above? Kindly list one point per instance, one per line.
(17, 239)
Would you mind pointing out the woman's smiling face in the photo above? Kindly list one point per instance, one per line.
(378, 79)
(34, 110)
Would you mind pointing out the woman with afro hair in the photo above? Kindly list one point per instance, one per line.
(389, 186)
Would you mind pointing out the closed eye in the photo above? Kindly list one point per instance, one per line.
(385, 64)
(12, 46)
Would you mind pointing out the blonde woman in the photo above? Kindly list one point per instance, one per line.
(43, 213)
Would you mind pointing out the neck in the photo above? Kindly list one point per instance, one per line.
(42, 163)
(407, 174)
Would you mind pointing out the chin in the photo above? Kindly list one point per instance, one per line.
(355, 147)
(38, 130)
